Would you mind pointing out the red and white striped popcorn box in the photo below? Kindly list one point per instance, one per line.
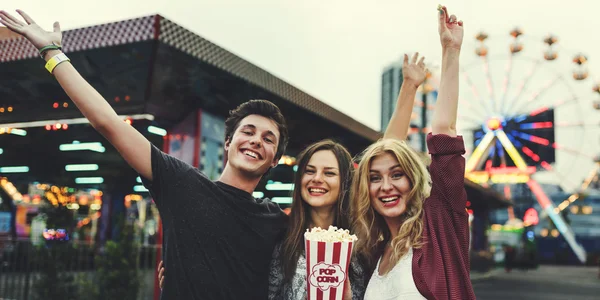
(327, 266)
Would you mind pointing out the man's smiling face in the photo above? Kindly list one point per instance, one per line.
(253, 146)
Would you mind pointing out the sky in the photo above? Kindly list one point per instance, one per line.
(336, 50)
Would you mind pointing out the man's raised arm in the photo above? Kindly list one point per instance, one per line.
(130, 143)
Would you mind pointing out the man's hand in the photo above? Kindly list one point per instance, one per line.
(414, 73)
(161, 275)
(32, 31)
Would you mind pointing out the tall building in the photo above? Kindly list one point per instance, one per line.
(391, 81)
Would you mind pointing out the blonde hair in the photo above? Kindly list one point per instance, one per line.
(369, 226)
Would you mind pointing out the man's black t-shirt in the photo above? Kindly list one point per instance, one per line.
(218, 239)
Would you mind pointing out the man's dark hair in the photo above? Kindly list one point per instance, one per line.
(262, 108)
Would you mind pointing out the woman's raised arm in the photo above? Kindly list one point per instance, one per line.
(451, 36)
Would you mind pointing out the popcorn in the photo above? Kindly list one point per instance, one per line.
(333, 234)
(328, 254)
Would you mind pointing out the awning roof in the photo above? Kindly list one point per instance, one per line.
(484, 198)
(159, 32)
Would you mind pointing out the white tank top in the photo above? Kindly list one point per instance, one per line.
(396, 284)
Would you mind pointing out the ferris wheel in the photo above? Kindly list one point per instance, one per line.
(527, 114)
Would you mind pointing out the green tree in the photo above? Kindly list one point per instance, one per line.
(116, 275)
(55, 282)
(54, 257)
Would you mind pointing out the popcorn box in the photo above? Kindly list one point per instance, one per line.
(327, 264)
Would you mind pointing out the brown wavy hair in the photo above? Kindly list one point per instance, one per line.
(293, 243)
(368, 225)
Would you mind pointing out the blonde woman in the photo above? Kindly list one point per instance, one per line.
(412, 224)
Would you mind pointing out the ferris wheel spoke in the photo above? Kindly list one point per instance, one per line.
(467, 104)
(536, 125)
(542, 109)
(464, 103)
(489, 83)
(467, 129)
(571, 150)
(522, 85)
(575, 196)
(530, 137)
(530, 153)
(477, 98)
(577, 124)
(584, 186)
(554, 106)
(546, 166)
(563, 205)
(470, 120)
(591, 176)
(562, 178)
(535, 157)
(506, 82)
(536, 95)
(521, 117)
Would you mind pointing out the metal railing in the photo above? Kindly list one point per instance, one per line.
(26, 269)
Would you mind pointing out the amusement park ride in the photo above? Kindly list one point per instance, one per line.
(516, 137)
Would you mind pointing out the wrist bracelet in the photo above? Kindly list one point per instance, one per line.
(55, 61)
(45, 49)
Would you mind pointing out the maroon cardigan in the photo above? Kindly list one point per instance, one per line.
(441, 267)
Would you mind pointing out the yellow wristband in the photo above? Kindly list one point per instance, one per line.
(55, 61)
